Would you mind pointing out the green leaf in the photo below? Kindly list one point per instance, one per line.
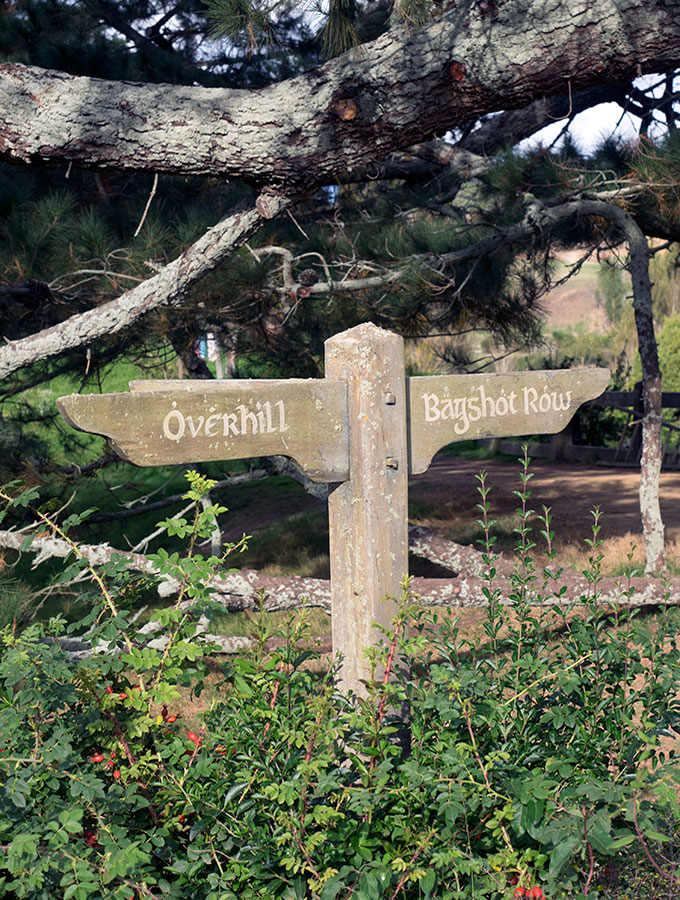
(242, 686)
(562, 853)
(427, 883)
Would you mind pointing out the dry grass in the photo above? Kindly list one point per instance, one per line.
(619, 552)
(619, 555)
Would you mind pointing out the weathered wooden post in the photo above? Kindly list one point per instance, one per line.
(368, 513)
(364, 428)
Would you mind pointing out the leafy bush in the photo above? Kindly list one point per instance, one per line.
(529, 761)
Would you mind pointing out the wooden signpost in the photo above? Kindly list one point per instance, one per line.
(364, 429)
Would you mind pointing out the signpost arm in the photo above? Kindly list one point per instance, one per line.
(368, 515)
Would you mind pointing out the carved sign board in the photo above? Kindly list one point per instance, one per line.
(362, 412)
(443, 409)
(169, 422)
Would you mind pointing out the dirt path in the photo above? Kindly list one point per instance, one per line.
(446, 496)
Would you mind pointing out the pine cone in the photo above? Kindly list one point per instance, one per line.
(308, 277)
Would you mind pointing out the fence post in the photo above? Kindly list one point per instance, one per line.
(368, 514)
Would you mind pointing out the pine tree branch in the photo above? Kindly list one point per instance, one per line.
(515, 125)
(402, 88)
(169, 287)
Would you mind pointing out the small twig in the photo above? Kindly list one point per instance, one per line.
(298, 226)
(148, 204)
(154, 534)
(647, 851)
(591, 855)
(105, 273)
(405, 874)
(571, 106)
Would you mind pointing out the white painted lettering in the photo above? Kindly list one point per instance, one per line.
(282, 416)
(544, 401)
(446, 410)
(529, 400)
(211, 425)
(488, 405)
(247, 417)
(261, 418)
(461, 413)
(431, 407)
(268, 411)
(194, 429)
(173, 425)
(230, 425)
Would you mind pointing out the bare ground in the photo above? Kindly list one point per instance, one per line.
(447, 494)
(446, 497)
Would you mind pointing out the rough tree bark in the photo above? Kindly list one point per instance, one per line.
(404, 87)
(242, 590)
(652, 451)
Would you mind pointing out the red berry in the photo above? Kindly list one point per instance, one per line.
(180, 818)
(122, 695)
(164, 712)
(193, 737)
(536, 892)
(110, 763)
(98, 758)
(116, 774)
(518, 892)
(171, 719)
(109, 689)
(136, 687)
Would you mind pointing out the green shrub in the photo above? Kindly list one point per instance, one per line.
(531, 759)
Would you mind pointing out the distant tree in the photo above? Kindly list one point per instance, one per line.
(612, 291)
(669, 353)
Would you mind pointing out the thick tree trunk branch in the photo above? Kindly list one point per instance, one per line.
(168, 288)
(652, 401)
(402, 88)
(650, 463)
(238, 591)
(457, 558)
